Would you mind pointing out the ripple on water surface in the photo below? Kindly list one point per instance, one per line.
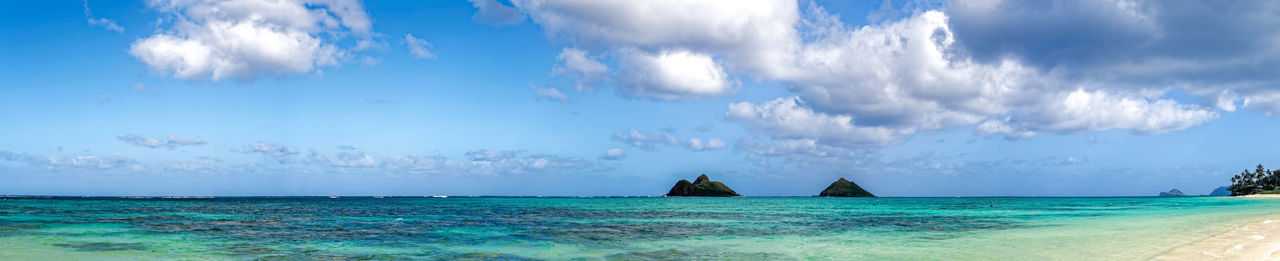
(564, 228)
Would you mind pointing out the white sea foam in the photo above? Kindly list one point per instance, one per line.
(1248, 242)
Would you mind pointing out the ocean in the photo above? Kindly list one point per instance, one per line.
(494, 228)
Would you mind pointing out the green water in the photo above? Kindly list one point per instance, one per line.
(615, 228)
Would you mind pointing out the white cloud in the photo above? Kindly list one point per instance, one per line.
(100, 22)
(419, 48)
(247, 38)
(787, 118)
(696, 144)
(344, 159)
(659, 25)
(492, 12)
(1268, 102)
(139, 140)
(1098, 110)
(871, 85)
(536, 163)
(414, 163)
(491, 162)
(671, 75)
(613, 154)
(675, 39)
(170, 142)
(991, 127)
(644, 141)
(106, 24)
(175, 140)
(490, 155)
(188, 166)
(279, 152)
(715, 144)
(650, 140)
(93, 163)
(586, 71)
(549, 93)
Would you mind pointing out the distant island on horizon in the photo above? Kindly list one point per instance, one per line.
(704, 187)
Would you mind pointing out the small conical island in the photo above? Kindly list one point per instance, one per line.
(844, 188)
(701, 187)
(1173, 193)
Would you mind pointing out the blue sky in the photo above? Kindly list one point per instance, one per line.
(529, 97)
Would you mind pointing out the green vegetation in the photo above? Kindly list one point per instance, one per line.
(1260, 181)
(844, 188)
(701, 187)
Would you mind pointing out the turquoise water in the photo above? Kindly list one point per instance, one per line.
(615, 228)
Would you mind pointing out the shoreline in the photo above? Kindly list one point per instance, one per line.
(1258, 239)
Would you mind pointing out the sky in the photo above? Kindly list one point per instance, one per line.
(624, 98)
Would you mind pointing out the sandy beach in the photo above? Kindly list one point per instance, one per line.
(1257, 240)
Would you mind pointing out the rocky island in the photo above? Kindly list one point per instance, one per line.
(701, 187)
(844, 188)
(1173, 193)
(1221, 191)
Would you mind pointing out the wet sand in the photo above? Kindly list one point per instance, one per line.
(1257, 240)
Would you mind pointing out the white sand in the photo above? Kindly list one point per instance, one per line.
(1259, 240)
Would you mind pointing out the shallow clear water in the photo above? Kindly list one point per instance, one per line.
(615, 228)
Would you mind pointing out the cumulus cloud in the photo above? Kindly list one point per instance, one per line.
(1098, 110)
(650, 140)
(715, 144)
(696, 144)
(788, 118)
(878, 84)
(586, 71)
(1224, 52)
(492, 12)
(247, 38)
(667, 49)
(276, 151)
(419, 48)
(549, 93)
(169, 142)
(672, 75)
(613, 154)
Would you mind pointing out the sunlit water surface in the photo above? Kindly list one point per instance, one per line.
(615, 228)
